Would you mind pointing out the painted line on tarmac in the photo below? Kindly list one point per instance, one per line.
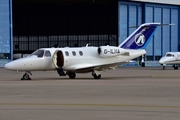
(92, 105)
(164, 76)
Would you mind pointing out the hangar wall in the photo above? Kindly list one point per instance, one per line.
(165, 38)
(34, 28)
(5, 31)
(63, 24)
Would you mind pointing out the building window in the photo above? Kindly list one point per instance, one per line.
(67, 53)
(149, 58)
(157, 58)
(80, 53)
(74, 53)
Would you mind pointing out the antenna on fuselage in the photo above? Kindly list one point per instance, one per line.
(87, 44)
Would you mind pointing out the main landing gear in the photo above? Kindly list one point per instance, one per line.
(26, 76)
(96, 74)
(175, 67)
(71, 75)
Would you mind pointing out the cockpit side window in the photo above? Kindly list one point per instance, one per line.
(47, 53)
(169, 55)
(38, 53)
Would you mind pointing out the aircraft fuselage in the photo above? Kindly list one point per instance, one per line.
(70, 59)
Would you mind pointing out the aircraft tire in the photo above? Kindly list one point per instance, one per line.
(72, 75)
(96, 76)
(176, 68)
(164, 67)
(25, 77)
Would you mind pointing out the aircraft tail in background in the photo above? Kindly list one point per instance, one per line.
(140, 38)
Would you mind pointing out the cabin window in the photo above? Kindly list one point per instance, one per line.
(47, 53)
(80, 53)
(67, 53)
(38, 53)
(74, 53)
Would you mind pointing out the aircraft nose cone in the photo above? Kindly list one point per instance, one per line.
(8, 66)
(161, 61)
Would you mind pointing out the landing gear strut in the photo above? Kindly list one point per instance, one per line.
(164, 66)
(26, 76)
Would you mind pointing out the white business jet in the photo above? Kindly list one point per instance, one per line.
(69, 61)
(171, 58)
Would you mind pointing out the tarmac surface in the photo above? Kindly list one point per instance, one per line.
(128, 93)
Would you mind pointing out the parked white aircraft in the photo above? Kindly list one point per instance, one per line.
(69, 61)
(171, 58)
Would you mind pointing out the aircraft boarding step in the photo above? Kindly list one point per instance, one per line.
(60, 71)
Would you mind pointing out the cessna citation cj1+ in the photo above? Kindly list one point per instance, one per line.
(171, 58)
(69, 61)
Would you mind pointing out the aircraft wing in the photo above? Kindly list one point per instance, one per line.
(99, 67)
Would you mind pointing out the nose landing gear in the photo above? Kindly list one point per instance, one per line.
(26, 76)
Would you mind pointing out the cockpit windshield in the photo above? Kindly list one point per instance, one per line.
(38, 53)
(169, 55)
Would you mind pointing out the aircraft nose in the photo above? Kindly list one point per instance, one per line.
(8, 66)
(165, 60)
(161, 61)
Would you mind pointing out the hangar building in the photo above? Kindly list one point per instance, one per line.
(26, 25)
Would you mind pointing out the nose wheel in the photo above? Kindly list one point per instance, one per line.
(164, 67)
(26, 76)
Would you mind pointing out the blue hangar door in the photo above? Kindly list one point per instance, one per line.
(5, 32)
(129, 14)
(165, 38)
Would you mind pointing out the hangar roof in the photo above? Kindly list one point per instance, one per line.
(173, 2)
(64, 1)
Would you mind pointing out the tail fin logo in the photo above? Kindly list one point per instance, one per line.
(140, 39)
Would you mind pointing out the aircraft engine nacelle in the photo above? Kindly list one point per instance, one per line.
(110, 51)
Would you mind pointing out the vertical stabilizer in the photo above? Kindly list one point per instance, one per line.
(140, 38)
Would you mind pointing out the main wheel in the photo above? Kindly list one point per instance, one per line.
(175, 67)
(72, 75)
(97, 76)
